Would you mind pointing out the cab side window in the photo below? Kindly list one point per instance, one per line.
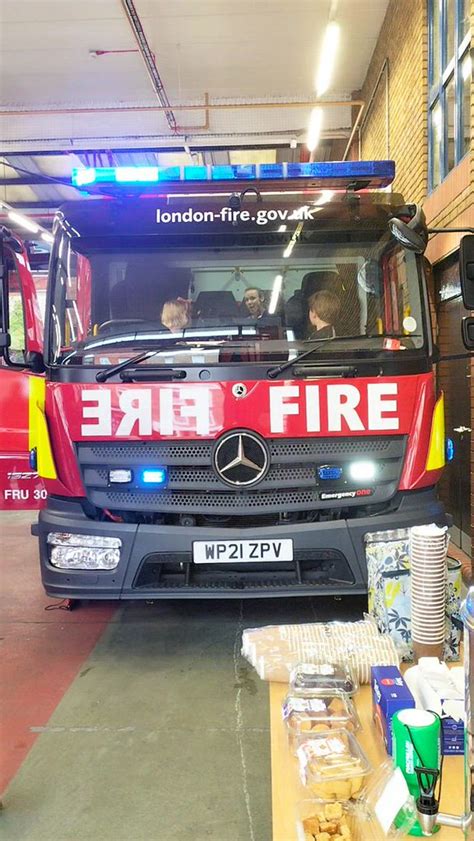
(16, 312)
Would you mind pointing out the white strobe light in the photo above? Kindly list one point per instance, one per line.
(362, 471)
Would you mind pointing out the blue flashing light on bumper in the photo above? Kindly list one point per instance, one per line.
(337, 174)
(329, 472)
(157, 476)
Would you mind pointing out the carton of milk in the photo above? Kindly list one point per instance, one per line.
(389, 694)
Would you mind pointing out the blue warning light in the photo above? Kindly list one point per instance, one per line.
(337, 174)
(329, 472)
(449, 449)
(154, 476)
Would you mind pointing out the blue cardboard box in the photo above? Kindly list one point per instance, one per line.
(452, 737)
(389, 694)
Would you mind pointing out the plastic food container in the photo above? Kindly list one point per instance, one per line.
(305, 716)
(311, 678)
(333, 766)
(351, 821)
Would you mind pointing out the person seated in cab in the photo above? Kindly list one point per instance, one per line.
(175, 315)
(324, 309)
(254, 301)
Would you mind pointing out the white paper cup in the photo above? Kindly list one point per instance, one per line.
(424, 633)
(427, 602)
(434, 637)
(434, 617)
(429, 587)
(427, 623)
(438, 641)
(436, 634)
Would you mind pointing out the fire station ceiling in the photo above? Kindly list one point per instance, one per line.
(104, 83)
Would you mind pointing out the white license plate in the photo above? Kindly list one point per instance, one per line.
(241, 551)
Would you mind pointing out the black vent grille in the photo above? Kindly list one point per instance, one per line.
(196, 503)
(310, 568)
(318, 447)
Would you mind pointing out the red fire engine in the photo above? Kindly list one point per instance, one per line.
(236, 381)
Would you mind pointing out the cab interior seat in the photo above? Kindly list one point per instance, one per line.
(135, 297)
(143, 291)
(220, 304)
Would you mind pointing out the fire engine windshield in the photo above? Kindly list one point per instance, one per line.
(204, 289)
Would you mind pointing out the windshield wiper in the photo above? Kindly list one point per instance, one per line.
(104, 375)
(315, 343)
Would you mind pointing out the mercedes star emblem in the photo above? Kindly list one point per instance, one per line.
(239, 390)
(241, 459)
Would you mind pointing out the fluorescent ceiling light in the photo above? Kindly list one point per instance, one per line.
(24, 222)
(47, 236)
(277, 283)
(314, 129)
(327, 58)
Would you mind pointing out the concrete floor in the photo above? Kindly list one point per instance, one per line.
(133, 722)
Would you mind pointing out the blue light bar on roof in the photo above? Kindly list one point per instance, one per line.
(337, 174)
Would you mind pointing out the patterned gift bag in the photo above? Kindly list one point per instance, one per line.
(389, 585)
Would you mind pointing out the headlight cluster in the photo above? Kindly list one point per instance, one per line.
(84, 551)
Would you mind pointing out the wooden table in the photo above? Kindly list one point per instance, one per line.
(285, 787)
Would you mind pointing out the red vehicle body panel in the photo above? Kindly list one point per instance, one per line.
(378, 406)
(20, 487)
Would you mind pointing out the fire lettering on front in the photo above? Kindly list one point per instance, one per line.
(135, 407)
(309, 408)
(342, 402)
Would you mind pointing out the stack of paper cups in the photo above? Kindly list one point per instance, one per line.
(428, 550)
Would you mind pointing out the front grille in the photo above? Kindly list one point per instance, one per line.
(290, 486)
(204, 478)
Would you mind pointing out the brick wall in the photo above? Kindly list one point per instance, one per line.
(395, 125)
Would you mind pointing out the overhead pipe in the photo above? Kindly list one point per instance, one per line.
(150, 63)
(384, 69)
(354, 129)
(148, 58)
(201, 142)
(211, 106)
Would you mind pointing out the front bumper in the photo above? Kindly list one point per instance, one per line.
(156, 560)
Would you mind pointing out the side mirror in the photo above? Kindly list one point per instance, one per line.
(468, 332)
(413, 235)
(466, 272)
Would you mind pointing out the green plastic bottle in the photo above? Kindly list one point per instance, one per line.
(416, 742)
